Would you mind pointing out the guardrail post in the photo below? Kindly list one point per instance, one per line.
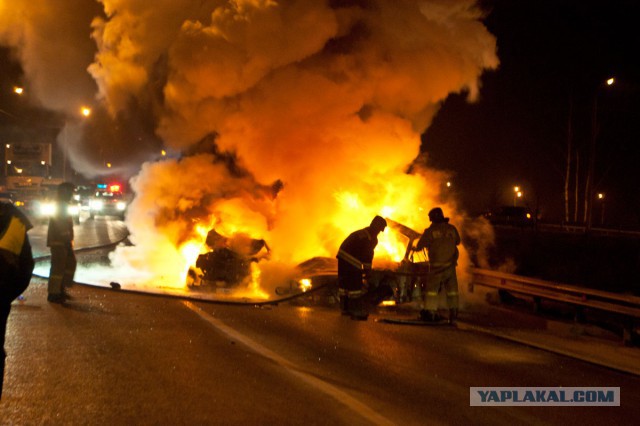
(505, 296)
(629, 335)
(537, 305)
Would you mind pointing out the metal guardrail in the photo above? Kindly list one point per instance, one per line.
(626, 305)
(581, 229)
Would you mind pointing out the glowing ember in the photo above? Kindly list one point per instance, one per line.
(305, 284)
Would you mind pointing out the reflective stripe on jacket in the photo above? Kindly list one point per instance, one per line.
(12, 239)
(357, 249)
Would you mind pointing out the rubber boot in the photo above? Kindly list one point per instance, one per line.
(358, 309)
(344, 305)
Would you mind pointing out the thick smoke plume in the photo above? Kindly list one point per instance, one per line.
(292, 121)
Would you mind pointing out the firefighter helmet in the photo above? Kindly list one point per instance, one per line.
(437, 216)
(378, 223)
(65, 191)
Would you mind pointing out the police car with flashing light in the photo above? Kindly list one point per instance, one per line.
(108, 201)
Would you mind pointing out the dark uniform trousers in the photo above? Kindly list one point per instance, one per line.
(63, 267)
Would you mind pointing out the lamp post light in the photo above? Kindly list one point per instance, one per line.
(85, 112)
(517, 193)
(601, 198)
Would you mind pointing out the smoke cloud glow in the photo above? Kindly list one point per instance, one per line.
(289, 120)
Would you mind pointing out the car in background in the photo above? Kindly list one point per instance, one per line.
(511, 216)
(41, 209)
(39, 205)
(108, 203)
(83, 195)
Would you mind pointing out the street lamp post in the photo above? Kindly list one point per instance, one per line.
(589, 186)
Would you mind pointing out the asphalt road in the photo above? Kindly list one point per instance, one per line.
(110, 357)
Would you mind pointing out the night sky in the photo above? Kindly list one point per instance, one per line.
(555, 56)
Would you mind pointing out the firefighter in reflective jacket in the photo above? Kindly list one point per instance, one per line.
(60, 240)
(354, 266)
(16, 266)
(441, 240)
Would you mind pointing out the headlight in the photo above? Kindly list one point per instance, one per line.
(96, 205)
(73, 210)
(48, 209)
(121, 205)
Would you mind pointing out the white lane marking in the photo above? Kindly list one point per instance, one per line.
(342, 397)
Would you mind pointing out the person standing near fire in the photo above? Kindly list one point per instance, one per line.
(60, 240)
(16, 266)
(354, 267)
(441, 240)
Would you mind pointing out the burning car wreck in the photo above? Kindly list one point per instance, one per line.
(389, 282)
(229, 262)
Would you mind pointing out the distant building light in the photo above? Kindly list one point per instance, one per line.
(43, 163)
(8, 161)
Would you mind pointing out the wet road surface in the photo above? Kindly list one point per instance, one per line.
(110, 357)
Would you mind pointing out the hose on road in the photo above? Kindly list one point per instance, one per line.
(194, 298)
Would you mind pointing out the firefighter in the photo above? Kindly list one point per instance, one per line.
(354, 267)
(60, 240)
(441, 240)
(16, 266)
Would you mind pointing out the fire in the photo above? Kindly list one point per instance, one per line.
(305, 284)
(298, 139)
(391, 246)
(252, 290)
(254, 286)
(190, 252)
